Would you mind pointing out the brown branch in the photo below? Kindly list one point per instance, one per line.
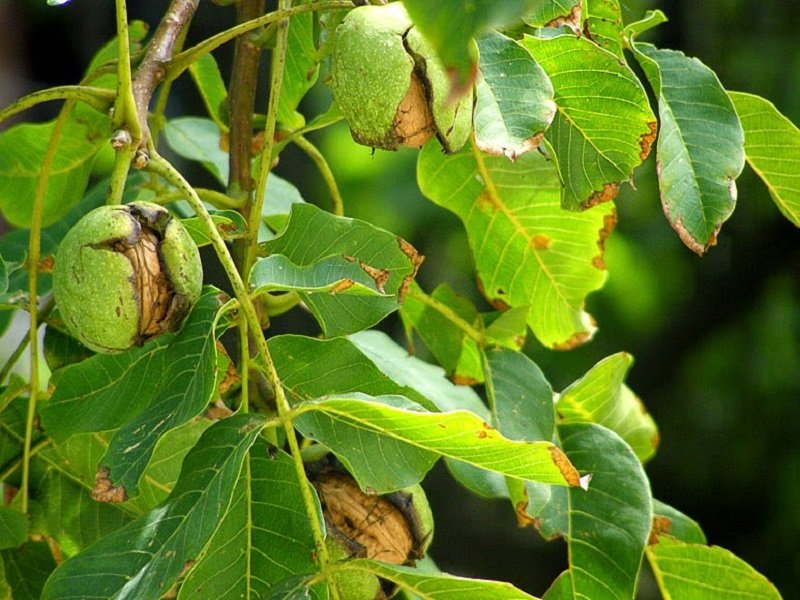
(162, 47)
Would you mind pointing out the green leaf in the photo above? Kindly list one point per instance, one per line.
(561, 588)
(146, 556)
(603, 24)
(264, 537)
(22, 152)
(528, 251)
(521, 397)
(514, 102)
(331, 275)
(672, 522)
(146, 391)
(199, 139)
(437, 586)
(3, 275)
(280, 196)
(450, 25)
(229, 223)
(448, 343)
(700, 150)
(705, 572)
(390, 442)
(301, 70)
(595, 150)
(772, 148)
(554, 13)
(13, 528)
(313, 234)
(601, 397)
(27, 568)
(208, 79)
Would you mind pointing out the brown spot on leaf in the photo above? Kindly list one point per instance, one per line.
(231, 377)
(646, 141)
(104, 489)
(464, 379)
(572, 20)
(46, 264)
(688, 239)
(416, 260)
(540, 242)
(609, 223)
(609, 192)
(345, 284)
(575, 340)
(217, 411)
(523, 518)
(460, 87)
(485, 203)
(561, 461)
(413, 122)
(379, 276)
(661, 525)
(482, 434)
(514, 153)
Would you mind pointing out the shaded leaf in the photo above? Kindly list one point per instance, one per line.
(705, 572)
(208, 79)
(672, 522)
(390, 442)
(561, 588)
(772, 148)
(528, 251)
(700, 149)
(229, 223)
(146, 391)
(594, 149)
(603, 24)
(332, 275)
(27, 568)
(3, 275)
(450, 25)
(22, 151)
(437, 586)
(609, 523)
(280, 196)
(514, 102)
(13, 528)
(199, 139)
(554, 13)
(264, 538)
(313, 234)
(601, 397)
(147, 555)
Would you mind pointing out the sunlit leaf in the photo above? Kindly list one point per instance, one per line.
(264, 538)
(514, 102)
(390, 442)
(390, 262)
(528, 251)
(772, 148)
(601, 397)
(199, 139)
(438, 586)
(700, 150)
(146, 556)
(595, 148)
(705, 573)
(146, 391)
(206, 75)
(603, 24)
(332, 275)
(302, 68)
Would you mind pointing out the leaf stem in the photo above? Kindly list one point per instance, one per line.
(98, 98)
(182, 61)
(325, 170)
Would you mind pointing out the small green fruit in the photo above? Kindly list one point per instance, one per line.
(390, 85)
(124, 274)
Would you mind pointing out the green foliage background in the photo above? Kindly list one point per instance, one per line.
(716, 340)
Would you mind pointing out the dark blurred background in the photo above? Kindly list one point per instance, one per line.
(716, 339)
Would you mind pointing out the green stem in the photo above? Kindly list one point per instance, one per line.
(34, 256)
(119, 174)
(212, 197)
(125, 108)
(448, 313)
(325, 170)
(182, 61)
(163, 168)
(98, 98)
(23, 344)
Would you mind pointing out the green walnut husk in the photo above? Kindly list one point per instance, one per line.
(390, 85)
(125, 274)
(396, 528)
